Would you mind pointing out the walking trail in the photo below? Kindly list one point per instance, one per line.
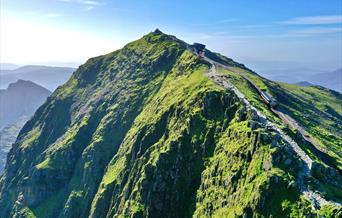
(316, 199)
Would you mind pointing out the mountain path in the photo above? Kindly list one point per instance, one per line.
(316, 199)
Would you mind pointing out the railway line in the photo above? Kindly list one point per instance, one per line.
(316, 199)
(287, 119)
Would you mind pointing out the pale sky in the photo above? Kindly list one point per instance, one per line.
(303, 33)
(27, 42)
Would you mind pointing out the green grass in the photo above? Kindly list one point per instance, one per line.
(330, 211)
(31, 137)
(46, 164)
(48, 207)
(235, 179)
(318, 111)
(113, 172)
(143, 131)
(179, 92)
(244, 87)
(301, 103)
(27, 213)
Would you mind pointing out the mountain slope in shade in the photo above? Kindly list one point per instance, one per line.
(20, 99)
(8, 134)
(146, 132)
(49, 77)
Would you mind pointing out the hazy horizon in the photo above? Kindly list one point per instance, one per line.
(177, 108)
(261, 35)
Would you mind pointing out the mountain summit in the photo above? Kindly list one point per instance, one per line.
(20, 99)
(154, 130)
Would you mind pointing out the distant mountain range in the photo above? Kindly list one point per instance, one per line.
(330, 79)
(46, 76)
(20, 100)
(17, 104)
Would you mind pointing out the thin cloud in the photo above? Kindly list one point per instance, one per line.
(315, 20)
(315, 31)
(93, 3)
(88, 4)
(305, 33)
(88, 8)
(292, 34)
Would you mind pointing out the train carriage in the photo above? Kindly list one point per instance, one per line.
(268, 99)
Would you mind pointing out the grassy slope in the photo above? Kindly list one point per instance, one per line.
(142, 131)
(176, 163)
(301, 103)
(74, 134)
(156, 135)
(306, 103)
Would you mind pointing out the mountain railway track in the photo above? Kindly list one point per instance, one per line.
(287, 119)
(315, 198)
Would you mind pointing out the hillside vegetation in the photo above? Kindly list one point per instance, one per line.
(144, 132)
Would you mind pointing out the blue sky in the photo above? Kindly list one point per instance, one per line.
(263, 34)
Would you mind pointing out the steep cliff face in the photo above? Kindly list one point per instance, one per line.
(143, 131)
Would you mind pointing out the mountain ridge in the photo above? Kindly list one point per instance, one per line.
(46, 76)
(143, 131)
